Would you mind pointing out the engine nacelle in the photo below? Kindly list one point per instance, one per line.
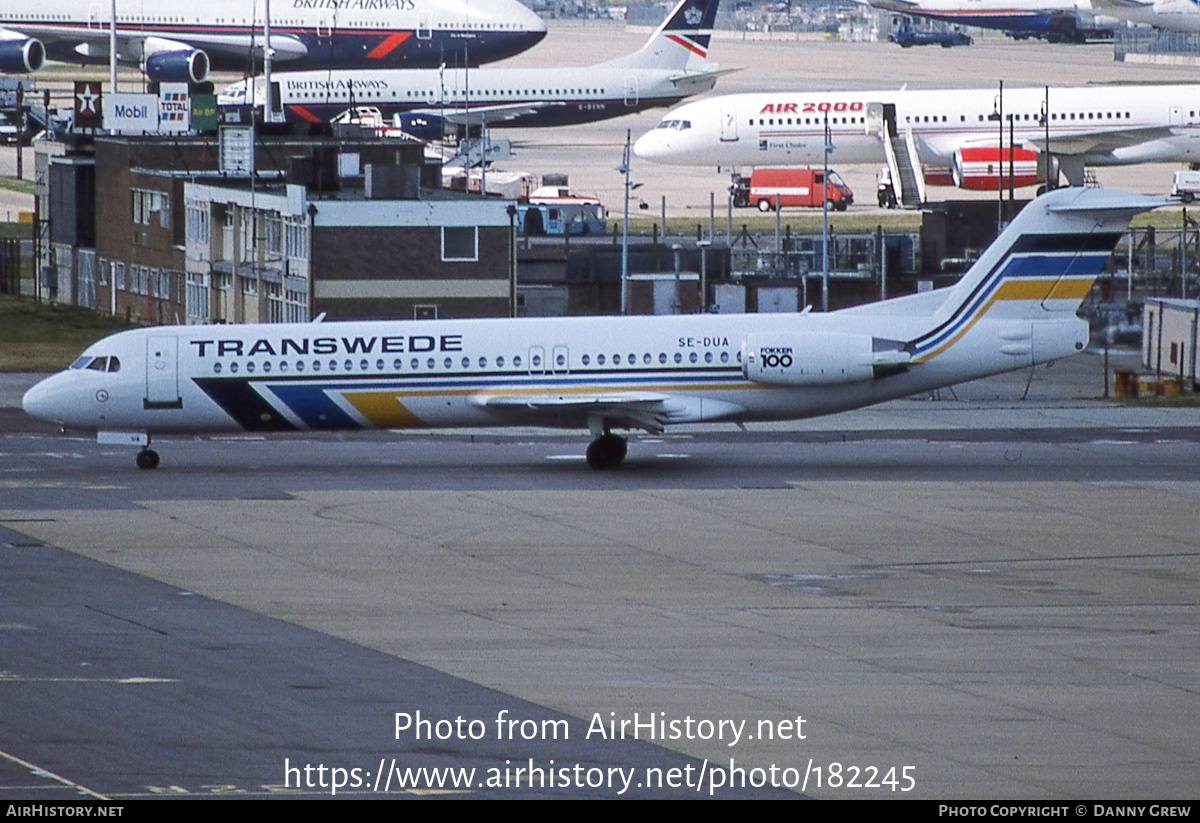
(810, 359)
(178, 66)
(981, 169)
(22, 56)
(427, 127)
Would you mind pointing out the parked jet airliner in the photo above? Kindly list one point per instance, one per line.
(951, 130)
(1172, 15)
(1059, 21)
(1014, 308)
(670, 67)
(178, 41)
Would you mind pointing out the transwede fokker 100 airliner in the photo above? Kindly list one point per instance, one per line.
(1014, 308)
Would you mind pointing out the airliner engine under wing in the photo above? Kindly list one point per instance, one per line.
(1014, 308)
(178, 41)
(952, 130)
(668, 68)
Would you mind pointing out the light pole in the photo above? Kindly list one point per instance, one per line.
(629, 186)
(825, 220)
(1049, 158)
(998, 116)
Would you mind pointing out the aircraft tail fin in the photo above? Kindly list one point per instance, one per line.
(1040, 267)
(681, 42)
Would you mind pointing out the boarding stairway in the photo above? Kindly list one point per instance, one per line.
(905, 167)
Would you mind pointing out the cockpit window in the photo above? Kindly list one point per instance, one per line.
(80, 363)
(677, 125)
(114, 364)
(99, 364)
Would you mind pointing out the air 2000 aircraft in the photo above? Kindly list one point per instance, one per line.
(178, 41)
(951, 132)
(1014, 308)
(670, 67)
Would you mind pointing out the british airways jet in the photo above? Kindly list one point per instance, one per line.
(1014, 308)
(179, 41)
(668, 68)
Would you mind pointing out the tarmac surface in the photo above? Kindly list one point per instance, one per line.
(995, 592)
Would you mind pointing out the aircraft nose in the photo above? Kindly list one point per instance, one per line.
(45, 400)
(652, 145)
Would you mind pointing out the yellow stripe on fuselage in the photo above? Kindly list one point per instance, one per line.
(1061, 288)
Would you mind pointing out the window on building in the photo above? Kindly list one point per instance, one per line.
(460, 243)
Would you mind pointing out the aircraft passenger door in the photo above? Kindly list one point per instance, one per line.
(537, 360)
(162, 373)
(425, 25)
(561, 362)
(729, 122)
(1176, 115)
(631, 91)
(95, 21)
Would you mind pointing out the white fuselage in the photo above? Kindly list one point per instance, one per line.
(346, 33)
(1172, 15)
(559, 96)
(1103, 125)
(1014, 308)
(447, 373)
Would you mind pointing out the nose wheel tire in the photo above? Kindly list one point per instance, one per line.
(147, 459)
(606, 452)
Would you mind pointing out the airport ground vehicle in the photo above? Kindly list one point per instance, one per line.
(790, 187)
(907, 37)
(1186, 185)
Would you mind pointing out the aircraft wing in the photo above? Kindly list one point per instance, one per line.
(1097, 141)
(501, 113)
(132, 43)
(1122, 5)
(634, 410)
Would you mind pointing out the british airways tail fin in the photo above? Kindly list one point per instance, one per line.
(681, 42)
(1040, 267)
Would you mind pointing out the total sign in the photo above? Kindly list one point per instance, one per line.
(174, 108)
(130, 113)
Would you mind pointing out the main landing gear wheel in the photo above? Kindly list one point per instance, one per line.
(147, 459)
(606, 452)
